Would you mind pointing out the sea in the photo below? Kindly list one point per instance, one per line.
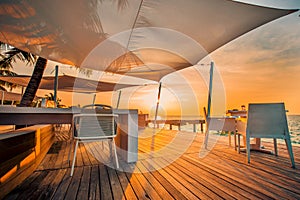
(294, 127)
(293, 123)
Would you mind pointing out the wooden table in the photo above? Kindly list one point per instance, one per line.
(127, 136)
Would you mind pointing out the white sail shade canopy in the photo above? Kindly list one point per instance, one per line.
(68, 83)
(141, 38)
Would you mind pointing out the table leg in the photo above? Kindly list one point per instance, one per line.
(258, 147)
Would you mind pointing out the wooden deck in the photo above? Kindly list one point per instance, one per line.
(222, 174)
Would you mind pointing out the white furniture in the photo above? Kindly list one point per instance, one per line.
(240, 130)
(268, 120)
(94, 127)
(127, 131)
(218, 124)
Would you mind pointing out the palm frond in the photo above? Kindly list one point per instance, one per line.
(27, 57)
(50, 96)
(6, 72)
(2, 88)
(86, 72)
(21, 55)
(4, 85)
(6, 63)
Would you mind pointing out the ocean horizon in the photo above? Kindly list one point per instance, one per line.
(293, 124)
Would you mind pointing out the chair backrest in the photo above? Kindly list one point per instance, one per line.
(219, 123)
(229, 124)
(267, 120)
(97, 106)
(241, 127)
(94, 125)
(95, 121)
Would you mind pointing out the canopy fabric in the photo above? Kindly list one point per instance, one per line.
(141, 38)
(68, 84)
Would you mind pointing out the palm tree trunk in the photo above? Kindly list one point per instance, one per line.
(34, 82)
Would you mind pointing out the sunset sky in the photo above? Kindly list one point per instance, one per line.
(264, 65)
(261, 66)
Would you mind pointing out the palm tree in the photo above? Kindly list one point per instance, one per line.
(50, 97)
(10, 56)
(34, 82)
(5, 70)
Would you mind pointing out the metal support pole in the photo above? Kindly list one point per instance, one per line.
(2, 100)
(55, 86)
(211, 74)
(94, 98)
(157, 104)
(119, 97)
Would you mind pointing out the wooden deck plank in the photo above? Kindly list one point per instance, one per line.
(178, 185)
(262, 162)
(63, 186)
(273, 176)
(85, 155)
(176, 194)
(22, 187)
(102, 153)
(105, 190)
(91, 158)
(241, 170)
(163, 193)
(53, 185)
(137, 187)
(83, 190)
(43, 185)
(210, 180)
(151, 192)
(73, 188)
(97, 152)
(116, 187)
(126, 186)
(223, 173)
(244, 181)
(60, 155)
(207, 187)
(212, 163)
(198, 190)
(26, 194)
(68, 150)
(79, 159)
(94, 190)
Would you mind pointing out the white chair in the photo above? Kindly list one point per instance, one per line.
(240, 131)
(218, 124)
(268, 120)
(94, 126)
